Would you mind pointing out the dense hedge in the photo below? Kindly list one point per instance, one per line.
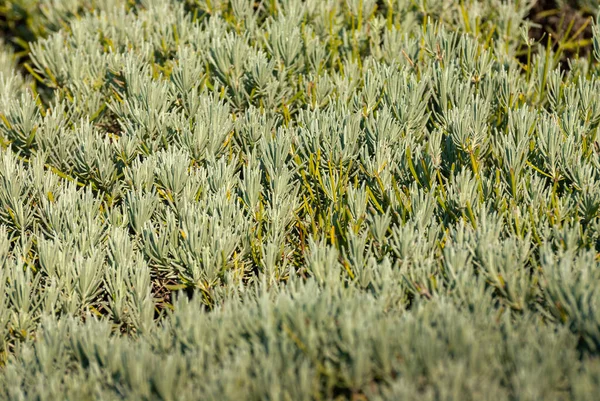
(296, 200)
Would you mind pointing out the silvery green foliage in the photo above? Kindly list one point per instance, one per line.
(296, 200)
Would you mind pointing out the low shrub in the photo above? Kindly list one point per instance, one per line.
(296, 200)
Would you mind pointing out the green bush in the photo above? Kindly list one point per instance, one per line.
(296, 200)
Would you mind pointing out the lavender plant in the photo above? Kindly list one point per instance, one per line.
(296, 200)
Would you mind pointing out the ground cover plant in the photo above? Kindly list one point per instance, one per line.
(298, 200)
